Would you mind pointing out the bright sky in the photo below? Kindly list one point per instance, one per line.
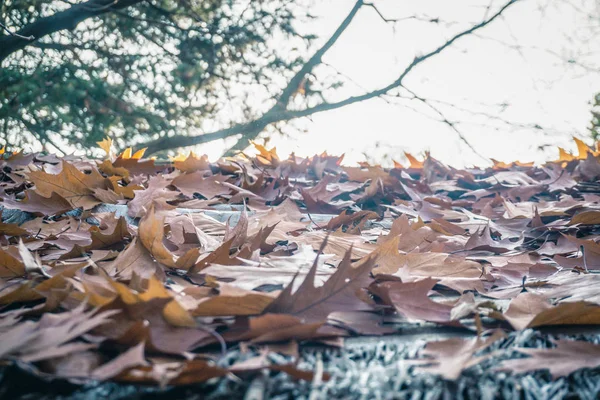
(486, 74)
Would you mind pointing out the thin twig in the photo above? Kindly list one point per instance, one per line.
(583, 256)
(383, 17)
(423, 18)
(30, 37)
(279, 111)
(311, 220)
(445, 120)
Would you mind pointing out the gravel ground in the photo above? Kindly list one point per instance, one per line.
(363, 369)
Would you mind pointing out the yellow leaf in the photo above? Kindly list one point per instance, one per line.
(180, 157)
(126, 154)
(173, 312)
(139, 154)
(582, 148)
(124, 292)
(93, 298)
(268, 157)
(155, 290)
(564, 156)
(176, 315)
(414, 163)
(109, 169)
(500, 164)
(191, 163)
(106, 145)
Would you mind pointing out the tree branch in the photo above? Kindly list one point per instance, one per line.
(10, 33)
(67, 19)
(275, 114)
(407, 70)
(279, 113)
(296, 80)
(396, 20)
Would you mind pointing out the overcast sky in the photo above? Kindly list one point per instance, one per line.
(515, 70)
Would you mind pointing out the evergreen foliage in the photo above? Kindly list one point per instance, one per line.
(140, 70)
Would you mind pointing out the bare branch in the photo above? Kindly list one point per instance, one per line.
(296, 80)
(67, 19)
(278, 112)
(11, 33)
(395, 20)
(383, 17)
(405, 72)
(445, 120)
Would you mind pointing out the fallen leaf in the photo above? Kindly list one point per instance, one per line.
(411, 300)
(133, 357)
(39, 205)
(338, 293)
(151, 234)
(529, 310)
(567, 357)
(70, 183)
(450, 357)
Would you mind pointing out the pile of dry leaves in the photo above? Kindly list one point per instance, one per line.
(316, 251)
